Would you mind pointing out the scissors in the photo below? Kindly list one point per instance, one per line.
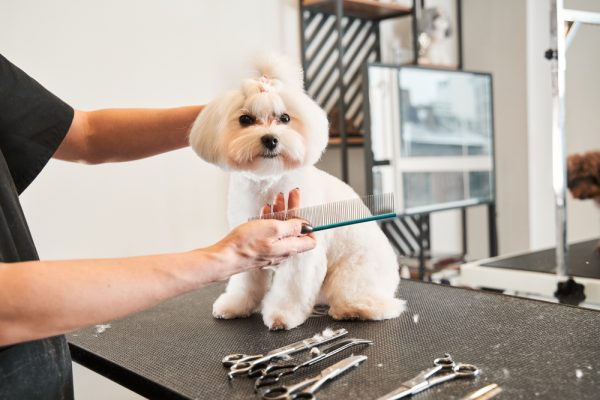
(240, 364)
(307, 388)
(273, 373)
(444, 369)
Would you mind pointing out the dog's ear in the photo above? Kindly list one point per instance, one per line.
(206, 133)
(281, 68)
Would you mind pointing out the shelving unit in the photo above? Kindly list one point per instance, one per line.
(338, 38)
(350, 28)
(366, 9)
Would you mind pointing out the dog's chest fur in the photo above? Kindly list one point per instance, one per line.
(247, 194)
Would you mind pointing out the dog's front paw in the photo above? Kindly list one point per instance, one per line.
(284, 318)
(368, 308)
(230, 305)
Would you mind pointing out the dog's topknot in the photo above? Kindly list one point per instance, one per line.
(281, 68)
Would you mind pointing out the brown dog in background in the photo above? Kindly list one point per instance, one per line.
(583, 175)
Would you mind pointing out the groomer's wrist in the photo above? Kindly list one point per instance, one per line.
(220, 261)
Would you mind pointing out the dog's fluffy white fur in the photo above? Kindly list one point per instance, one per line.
(352, 269)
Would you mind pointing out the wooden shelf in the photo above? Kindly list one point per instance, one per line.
(366, 9)
(437, 66)
(350, 141)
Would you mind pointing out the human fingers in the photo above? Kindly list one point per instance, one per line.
(277, 260)
(265, 210)
(290, 246)
(294, 199)
(279, 205)
(290, 227)
(273, 263)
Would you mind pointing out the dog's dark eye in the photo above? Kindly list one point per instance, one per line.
(246, 120)
(284, 118)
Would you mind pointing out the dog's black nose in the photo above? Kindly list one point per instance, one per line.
(269, 141)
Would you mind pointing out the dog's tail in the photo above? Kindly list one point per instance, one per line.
(280, 67)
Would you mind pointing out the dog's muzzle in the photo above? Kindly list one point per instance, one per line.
(269, 142)
(582, 180)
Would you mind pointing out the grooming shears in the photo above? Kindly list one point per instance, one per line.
(273, 373)
(240, 364)
(307, 388)
(444, 369)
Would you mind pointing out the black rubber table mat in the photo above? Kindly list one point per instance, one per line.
(584, 260)
(532, 349)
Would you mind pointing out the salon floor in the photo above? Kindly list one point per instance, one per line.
(91, 386)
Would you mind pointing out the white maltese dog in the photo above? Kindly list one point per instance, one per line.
(269, 134)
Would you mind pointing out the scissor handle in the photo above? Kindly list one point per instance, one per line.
(277, 393)
(445, 361)
(304, 396)
(239, 368)
(252, 368)
(258, 368)
(287, 392)
(235, 358)
(276, 368)
(268, 380)
(466, 370)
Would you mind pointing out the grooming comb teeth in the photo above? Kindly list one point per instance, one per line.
(340, 213)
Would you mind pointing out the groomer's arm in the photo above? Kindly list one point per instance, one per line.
(46, 298)
(114, 135)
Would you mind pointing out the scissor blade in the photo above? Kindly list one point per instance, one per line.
(336, 369)
(341, 366)
(317, 339)
(402, 391)
(335, 348)
(412, 386)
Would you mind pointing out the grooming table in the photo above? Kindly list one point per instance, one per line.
(534, 273)
(532, 349)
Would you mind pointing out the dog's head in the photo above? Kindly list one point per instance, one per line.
(584, 175)
(266, 127)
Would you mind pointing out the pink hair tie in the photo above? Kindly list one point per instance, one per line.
(262, 87)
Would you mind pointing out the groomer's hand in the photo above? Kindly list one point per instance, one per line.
(267, 242)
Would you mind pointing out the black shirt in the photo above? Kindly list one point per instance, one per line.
(33, 123)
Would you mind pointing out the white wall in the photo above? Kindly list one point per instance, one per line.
(136, 53)
(539, 108)
(494, 41)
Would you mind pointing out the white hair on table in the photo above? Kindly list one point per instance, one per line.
(102, 327)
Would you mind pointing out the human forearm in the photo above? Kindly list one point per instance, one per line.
(114, 135)
(45, 298)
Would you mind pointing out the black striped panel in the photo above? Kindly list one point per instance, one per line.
(403, 234)
(360, 43)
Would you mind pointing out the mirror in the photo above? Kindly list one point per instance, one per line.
(431, 133)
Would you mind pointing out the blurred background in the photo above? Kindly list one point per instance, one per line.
(138, 53)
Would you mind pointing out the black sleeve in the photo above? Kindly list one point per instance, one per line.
(33, 123)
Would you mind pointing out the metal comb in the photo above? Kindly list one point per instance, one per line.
(340, 213)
